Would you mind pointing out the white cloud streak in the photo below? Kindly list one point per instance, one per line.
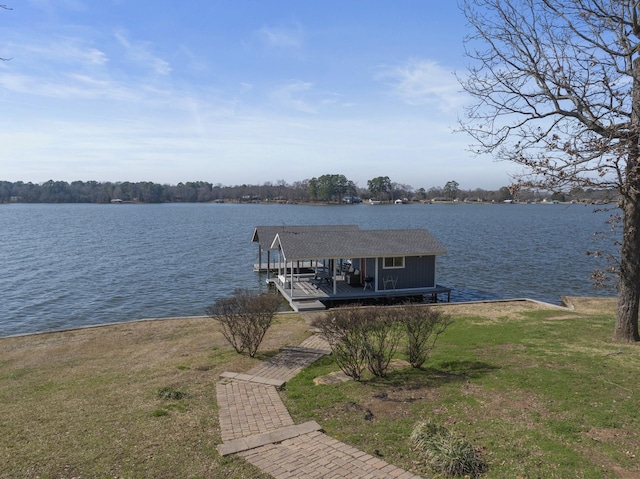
(287, 38)
(424, 82)
(293, 95)
(141, 55)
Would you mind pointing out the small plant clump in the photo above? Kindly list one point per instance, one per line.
(446, 453)
(171, 394)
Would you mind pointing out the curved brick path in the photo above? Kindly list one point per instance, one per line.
(255, 424)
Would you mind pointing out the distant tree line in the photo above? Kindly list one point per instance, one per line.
(330, 188)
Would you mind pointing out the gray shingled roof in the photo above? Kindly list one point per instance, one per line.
(264, 235)
(319, 243)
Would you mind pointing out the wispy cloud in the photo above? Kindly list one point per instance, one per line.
(294, 95)
(60, 50)
(68, 86)
(291, 37)
(422, 82)
(257, 144)
(51, 5)
(141, 54)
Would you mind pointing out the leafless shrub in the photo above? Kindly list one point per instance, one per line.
(382, 336)
(361, 338)
(423, 326)
(345, 330)
(245, 318)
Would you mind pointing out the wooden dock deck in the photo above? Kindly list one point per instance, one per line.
(308, 295)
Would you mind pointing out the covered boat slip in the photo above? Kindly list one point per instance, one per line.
(305, 294)
(264, 235)
(346, 263)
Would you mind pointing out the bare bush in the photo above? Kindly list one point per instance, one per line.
(345, 330)
(382, 336)
(369, 337)
(245, 318)
(423, 326)
(361, 338)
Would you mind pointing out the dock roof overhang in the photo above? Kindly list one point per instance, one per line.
(356, 243)
(264, 235)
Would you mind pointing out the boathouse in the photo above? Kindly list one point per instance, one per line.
(316, 266)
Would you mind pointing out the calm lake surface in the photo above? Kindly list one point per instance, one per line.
(67, 266)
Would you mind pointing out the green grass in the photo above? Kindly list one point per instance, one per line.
(539, 397)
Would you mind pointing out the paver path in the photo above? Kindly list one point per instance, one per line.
(292, 360)
(248, 408)
(316, 455)
(255, 424)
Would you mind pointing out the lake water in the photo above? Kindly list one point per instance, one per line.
(66, 266)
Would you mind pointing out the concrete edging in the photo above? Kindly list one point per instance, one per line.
(272, 437)
(276, 383)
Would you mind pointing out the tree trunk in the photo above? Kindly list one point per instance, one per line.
(626, 328)
(629, 281)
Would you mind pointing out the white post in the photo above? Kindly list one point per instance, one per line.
(375, 278)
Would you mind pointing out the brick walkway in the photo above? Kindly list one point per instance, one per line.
(256, 425)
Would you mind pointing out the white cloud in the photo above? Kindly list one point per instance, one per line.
(95, 56)
(246, 87)
(281, 37)
(140, 53)
(424, 82)
(68, 86)
(58, 50)
(293, 95)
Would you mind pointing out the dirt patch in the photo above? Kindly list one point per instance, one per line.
(514, 406)
(591, 305)
(335, 377)
(516, 308)
(619, 439)
(396, 403)
(494, 309)
(561, 317)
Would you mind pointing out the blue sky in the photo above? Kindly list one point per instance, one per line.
(235, 91)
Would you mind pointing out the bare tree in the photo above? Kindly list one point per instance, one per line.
(556, 85)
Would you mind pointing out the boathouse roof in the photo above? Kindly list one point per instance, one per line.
(354, 243)
(264, 235)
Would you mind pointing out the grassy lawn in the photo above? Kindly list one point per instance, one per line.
(86, 403)
(542, 393)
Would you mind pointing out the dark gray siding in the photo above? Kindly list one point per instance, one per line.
(418, 272)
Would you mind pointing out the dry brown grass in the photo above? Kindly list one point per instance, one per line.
(84, 403)
(591, 305)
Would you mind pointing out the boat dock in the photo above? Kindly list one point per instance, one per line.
(307, 294)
